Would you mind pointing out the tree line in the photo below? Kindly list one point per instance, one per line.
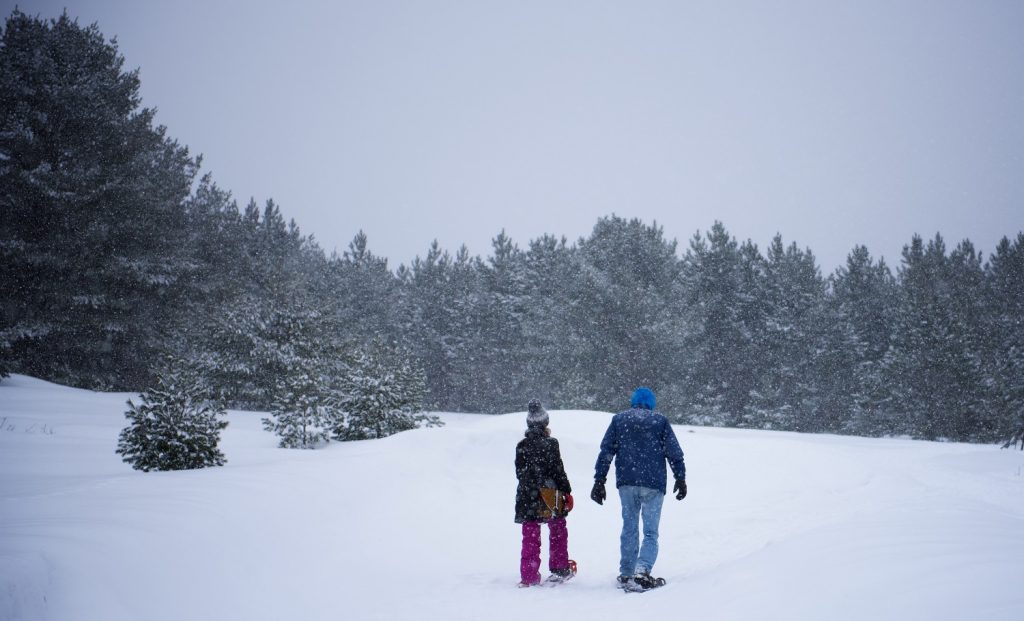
(114, 253)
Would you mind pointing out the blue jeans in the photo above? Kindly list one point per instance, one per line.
(637, 501)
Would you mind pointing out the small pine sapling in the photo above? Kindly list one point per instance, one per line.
(302, 409)
(176, 426)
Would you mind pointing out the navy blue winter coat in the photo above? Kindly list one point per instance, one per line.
(640, 441)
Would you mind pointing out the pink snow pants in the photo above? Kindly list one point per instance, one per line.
(558, 544)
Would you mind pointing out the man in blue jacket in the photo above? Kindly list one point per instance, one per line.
(640, 440)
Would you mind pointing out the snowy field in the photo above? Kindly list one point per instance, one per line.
(419, 525)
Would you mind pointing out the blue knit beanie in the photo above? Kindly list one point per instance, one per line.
(643, 397)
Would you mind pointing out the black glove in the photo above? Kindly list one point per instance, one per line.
(598, 494)
(680, 489)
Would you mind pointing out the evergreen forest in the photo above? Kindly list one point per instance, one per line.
(116, 251)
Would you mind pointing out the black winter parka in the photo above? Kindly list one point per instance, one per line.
(538, 464)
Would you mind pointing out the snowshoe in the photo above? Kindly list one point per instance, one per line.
(640, 582)
(558, 576)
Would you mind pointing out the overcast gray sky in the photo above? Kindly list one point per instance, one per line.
(833, 124)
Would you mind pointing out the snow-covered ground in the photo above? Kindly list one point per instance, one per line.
(419, 525)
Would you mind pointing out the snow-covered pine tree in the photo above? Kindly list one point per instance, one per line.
(859, 329)
(221, 257)
(303, 407)
(723, 304)
(914, 368)
(425, 322)
(547, 347)
(362, 292)
(92, 232)
(464, 307)
(976, 417)
(381, 395)
(498, 352)
(623, 317)
(250, 343)
(935, 369)
(791, 343)
(442, 302)
(1005, 284)
(177, 425)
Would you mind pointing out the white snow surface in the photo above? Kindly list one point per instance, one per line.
(420, 525)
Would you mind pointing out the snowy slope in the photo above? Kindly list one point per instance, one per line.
(419, 525)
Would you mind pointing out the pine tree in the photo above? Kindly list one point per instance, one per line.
(859, 326)
(303, 408)
(936, 367)
(248, 344)
(465, 306)
(380, 395)
(220, 267)
(1005, 295)
(362, 292)
(425, 322)
(549, 347)
(789, 343)
(623, 317)
(915, 366)
(443, 301)
(176, 426)
(91, 238)
(975, 416)
(723, 303)
(498, 349)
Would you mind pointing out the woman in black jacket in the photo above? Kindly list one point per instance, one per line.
(543, 495)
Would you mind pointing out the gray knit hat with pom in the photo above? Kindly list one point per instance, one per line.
(536, 415)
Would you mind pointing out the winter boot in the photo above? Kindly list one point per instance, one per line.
(629, 585)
